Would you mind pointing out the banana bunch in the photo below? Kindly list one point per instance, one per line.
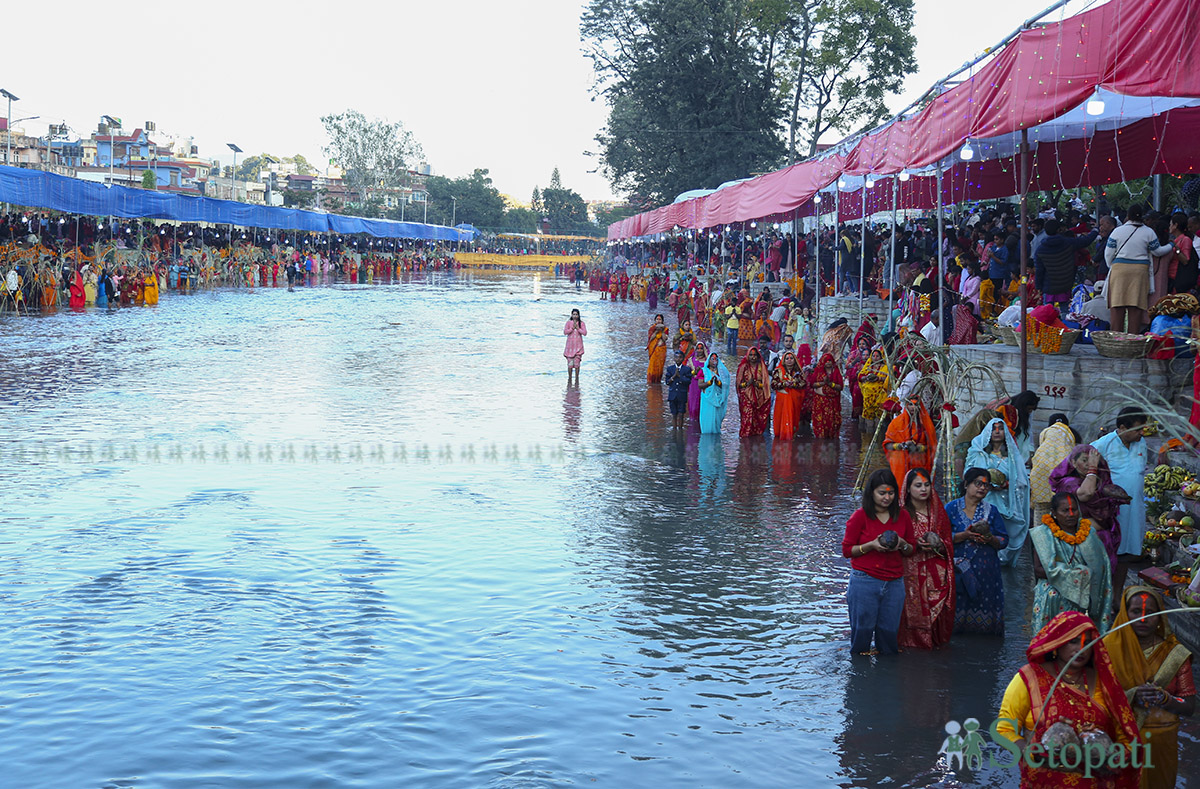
(1165, 479)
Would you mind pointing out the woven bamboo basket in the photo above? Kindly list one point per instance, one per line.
(1118, 345)
(1050, 341)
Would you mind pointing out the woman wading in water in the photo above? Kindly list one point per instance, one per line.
(575, 330)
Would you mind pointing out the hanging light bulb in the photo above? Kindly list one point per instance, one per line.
(753, 225)
(843, 183)
(1095, 105)
(904, 176)
(967, 153)
(870, 182)
(817, 199)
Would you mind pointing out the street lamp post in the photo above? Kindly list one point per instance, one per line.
(453, 211)
(233, 176)
(113, 125)
(8, 126)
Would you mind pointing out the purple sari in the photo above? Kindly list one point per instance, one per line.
(1102, 508)
(697, 361)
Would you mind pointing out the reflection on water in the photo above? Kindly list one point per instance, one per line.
(662, 608)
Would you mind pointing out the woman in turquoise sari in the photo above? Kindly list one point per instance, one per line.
(714, 394)
(995, 449)
(1071, 566)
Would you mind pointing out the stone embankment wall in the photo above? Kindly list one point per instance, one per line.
(1087, 387)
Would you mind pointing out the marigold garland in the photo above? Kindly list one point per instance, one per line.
(1085, 528)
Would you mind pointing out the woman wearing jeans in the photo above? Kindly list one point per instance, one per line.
(876, 591)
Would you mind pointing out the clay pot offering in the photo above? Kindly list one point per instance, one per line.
(889, 539)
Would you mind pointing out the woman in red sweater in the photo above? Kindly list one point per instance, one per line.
(877, 536)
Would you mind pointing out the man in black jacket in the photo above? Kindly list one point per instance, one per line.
(1054, 265)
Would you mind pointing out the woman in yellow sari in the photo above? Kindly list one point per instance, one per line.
(150, 288)
(656, 348)
(874, 381)
(1156, 673)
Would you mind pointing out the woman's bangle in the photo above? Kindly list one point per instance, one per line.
(1090, 474)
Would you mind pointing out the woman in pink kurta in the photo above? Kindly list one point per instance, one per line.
(575, 330)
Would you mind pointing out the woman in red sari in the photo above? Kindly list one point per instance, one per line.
(805, 360)
(754, 394)
(825, 391)
(928, 618)
(1089, 695)
(789, 385)
(656, 348)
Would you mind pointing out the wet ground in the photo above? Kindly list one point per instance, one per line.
(368, 537)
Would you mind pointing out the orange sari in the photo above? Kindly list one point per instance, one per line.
(656, 348)
(918, 430)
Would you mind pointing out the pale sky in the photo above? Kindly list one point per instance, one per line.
(500, 84)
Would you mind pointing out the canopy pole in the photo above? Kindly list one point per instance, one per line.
(837, 239)
(892, 253)
(1024, 286)
(862, 251)
(817, 259)
(941, 264)
(795, 272)
(742, 275)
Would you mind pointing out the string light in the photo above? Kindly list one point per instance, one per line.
(1095, 105)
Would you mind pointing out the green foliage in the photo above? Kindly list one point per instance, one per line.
(519, 220)
(149, 180)
(535, 202)
(479, 203)
(299, 198)
(373, 153)
(692, 92)
(251, 168)
(842, 59)
(607, 216)
(699, 91)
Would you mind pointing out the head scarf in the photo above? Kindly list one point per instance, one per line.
(1054, 444)
(699, 355)
(1070, 626)
(865, 329)
(721, 393)
(1016, 497)
(1067, 468)
(783, 363)
(757, 370)
(1128, 659)
(804, 354)
(821, 376)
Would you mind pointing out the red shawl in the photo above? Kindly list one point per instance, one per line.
(928, 618)
(1115, 718)
(754, 394)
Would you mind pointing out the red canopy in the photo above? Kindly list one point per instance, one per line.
(1139, 51)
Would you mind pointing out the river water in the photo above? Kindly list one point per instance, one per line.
(367, 537)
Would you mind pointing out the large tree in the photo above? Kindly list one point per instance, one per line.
(692, 91)
(842, 59)
(703, 91)
(479, 203)
(374, 154)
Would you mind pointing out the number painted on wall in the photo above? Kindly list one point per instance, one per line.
(1055, 391)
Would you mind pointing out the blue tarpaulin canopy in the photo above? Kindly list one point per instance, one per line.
(38, 189)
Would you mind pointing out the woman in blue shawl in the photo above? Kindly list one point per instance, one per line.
(102, 292)
(714, 394)
(995, 449)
